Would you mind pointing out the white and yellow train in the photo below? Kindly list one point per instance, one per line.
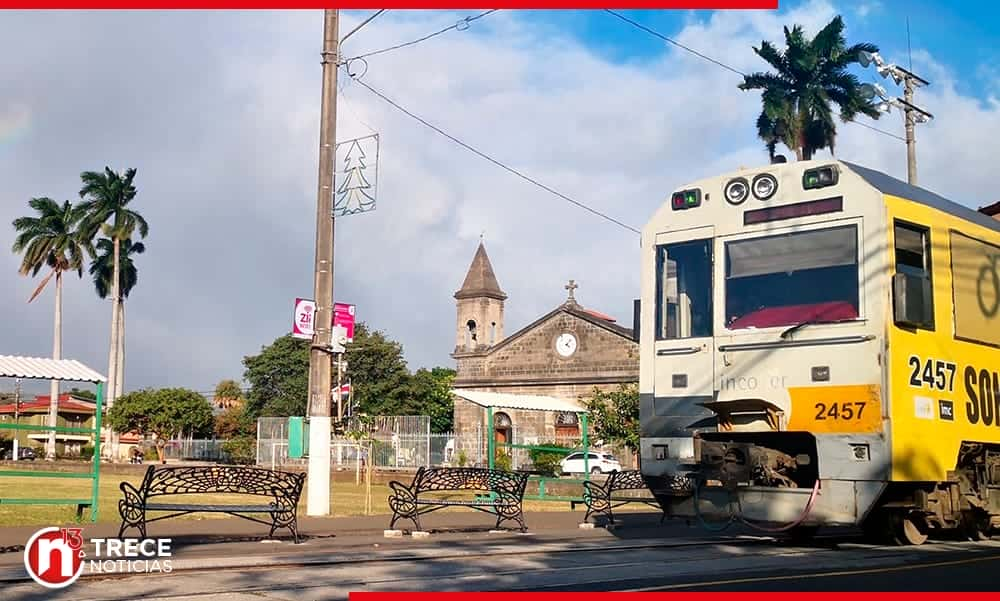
(821, 346)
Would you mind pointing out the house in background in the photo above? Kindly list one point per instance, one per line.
(992, 210)
(74, 412)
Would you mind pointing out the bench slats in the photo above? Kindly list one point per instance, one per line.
(224, 508)
(283, 488)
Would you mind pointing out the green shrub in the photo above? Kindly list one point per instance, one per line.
(547, 463)
(463, 458)
(242, 449)
(502, 461)
(150, 454)
(87, 451)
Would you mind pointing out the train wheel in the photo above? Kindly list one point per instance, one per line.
(976, 525)
(908, 529)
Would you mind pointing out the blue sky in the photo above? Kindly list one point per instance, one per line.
(222, 123)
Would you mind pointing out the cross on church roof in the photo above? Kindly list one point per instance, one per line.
(571, 286)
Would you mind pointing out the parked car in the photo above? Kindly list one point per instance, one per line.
(599, 463)
(23, 454)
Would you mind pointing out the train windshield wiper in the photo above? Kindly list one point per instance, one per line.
(800, 325)
(810, 322)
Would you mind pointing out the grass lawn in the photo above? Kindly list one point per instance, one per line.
(346, 499)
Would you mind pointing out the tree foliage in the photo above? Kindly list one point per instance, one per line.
(615, 415)
(163, 413)
(380, 380)
(809, 75)
(279, 378)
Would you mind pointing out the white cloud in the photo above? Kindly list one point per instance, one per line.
(221, 120)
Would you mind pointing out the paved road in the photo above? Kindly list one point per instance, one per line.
(480, 563)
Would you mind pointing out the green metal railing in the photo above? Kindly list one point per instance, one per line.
(542, 495)
(94, 475)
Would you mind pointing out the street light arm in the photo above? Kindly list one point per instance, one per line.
(363, 23)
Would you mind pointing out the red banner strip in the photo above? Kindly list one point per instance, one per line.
(397, 4)
(649, 596)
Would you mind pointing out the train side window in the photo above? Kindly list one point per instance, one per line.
(913, 300)
(684, 290)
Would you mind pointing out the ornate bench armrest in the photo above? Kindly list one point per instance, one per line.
(402, 491)
(132, 496)
(594, 492)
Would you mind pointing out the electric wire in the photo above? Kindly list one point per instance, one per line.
(489, 158)
(461, 25)
(659, 35)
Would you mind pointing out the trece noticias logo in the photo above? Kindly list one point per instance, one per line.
(56, 557)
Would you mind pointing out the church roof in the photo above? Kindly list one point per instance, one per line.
(480, 281)
(531, 402)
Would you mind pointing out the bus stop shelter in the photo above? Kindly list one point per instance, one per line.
(63, 370)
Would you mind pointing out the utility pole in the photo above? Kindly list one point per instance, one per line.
(318, 498)
(911, 143)
(912, 113)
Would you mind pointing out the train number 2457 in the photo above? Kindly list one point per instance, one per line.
(844, 410)
(932, 373)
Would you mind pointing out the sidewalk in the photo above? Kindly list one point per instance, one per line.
(237, 543)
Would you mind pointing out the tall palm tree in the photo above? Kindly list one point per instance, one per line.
(106, 201)
(809, 76)
(102, 272)
(52, 239)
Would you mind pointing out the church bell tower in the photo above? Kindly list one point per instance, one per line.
(479, 307)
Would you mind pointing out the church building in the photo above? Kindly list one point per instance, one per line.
(534, 378)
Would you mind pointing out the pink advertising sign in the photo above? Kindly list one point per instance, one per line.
(302, 325)
(305, 313)
(343, 315)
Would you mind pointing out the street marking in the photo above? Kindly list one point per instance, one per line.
(817, 574)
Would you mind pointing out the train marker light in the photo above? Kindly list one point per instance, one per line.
(764, 186)
(820, 178)
(686, 200)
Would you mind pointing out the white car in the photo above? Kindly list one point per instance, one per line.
(597, 462)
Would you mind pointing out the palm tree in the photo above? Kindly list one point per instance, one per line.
(810, 74)
(102, 272)
(53, 239)
(106, 197)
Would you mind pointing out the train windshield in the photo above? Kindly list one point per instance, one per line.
(794, 278)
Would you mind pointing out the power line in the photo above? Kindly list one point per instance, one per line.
(881, 131)
(461, 24)
(657, 34)
(653, 32)
(496, 162)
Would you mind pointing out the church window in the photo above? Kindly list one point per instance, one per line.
(493, 333)
(501, 420)
(470, 333)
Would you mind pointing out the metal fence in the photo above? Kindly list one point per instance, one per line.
(195, 450)
(405, 442)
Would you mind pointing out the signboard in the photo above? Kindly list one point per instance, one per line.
(302, 325)
(343, 316)
(345, 390)
(305, 312)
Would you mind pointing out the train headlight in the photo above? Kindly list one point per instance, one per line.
(736, 191)
(764, 186)
(820, 177)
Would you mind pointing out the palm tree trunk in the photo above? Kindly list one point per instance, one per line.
(120, 374)
(113, 357)
(50, 448)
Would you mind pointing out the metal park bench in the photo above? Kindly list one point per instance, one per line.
(603, 498)
(283, 488)
(503, 498)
